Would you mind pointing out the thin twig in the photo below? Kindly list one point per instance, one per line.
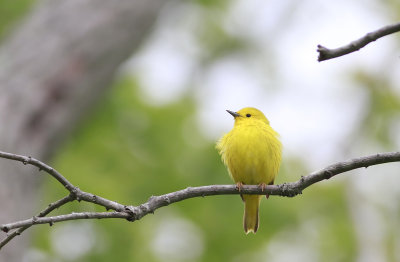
(45, 212)
(326, 53)
(75, 191)
(133, 213)
(54, 219)
(75, 194)
(42, 166)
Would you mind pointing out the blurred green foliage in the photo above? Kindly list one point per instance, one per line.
(382, 112)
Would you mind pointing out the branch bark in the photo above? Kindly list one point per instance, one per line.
(133, 213)
(326, 53)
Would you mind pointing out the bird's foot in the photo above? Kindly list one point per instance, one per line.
(239, 186)
(263, 186)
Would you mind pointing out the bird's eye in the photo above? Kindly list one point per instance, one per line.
(248, 115)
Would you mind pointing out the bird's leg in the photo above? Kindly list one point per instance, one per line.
(239, 186)
(263, 186)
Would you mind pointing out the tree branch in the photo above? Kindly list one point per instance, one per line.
(326, 53)
(133, 213)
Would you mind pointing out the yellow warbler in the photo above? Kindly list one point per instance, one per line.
(252, 153)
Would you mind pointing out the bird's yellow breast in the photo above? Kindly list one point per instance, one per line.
(252, 152)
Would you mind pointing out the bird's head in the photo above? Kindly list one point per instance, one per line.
(247, 115)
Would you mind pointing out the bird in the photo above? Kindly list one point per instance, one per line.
(252, 153)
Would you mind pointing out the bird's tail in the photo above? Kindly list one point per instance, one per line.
(250, 218)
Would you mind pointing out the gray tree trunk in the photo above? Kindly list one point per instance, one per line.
(52, 70)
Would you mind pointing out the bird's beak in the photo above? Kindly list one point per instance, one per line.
(234, 114)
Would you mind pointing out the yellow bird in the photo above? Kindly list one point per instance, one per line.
(252, 153)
